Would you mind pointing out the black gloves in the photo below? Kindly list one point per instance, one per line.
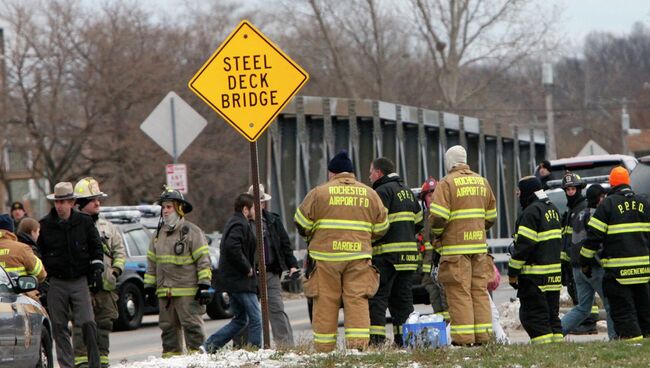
(150, 294)
(204, 294)
(95, 281)
(514, 282)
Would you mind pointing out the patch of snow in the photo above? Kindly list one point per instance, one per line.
(509, 313)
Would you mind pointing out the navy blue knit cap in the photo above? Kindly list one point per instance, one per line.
(6, 223)
(340, 163)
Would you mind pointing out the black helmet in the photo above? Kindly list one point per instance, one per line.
(572, 180)
(170, 194)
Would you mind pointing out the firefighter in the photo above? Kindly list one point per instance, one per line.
(463, 207)
(430, 255)
(396, 255)
(534, 268)
(573, 185)
(105, 298)
(339, 219)
(179, 274)
(619, 234)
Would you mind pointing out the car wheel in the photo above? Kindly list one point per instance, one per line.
(220, 307)
(45, 352)
(130, 307)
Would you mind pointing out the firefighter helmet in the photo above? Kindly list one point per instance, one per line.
(428, 186)
(572, 180)
(88, 188)
(170, 194)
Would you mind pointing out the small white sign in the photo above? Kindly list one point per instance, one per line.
(177, 177)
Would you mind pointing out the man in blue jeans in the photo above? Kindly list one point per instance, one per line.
(238, 277)
(586, 287)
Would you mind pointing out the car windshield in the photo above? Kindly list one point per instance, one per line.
(585, 169)
(558, 198)
(137, 242)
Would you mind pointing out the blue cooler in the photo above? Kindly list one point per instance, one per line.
(425, 335)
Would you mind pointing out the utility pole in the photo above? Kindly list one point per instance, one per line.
(625, 126)
(547, 81)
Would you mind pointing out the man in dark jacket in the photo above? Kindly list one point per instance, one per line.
(279, 258)
(396, 255)
(72, 254)
(238, 277)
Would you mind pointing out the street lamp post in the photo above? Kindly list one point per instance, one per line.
(547, 80)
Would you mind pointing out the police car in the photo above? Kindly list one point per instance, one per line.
(25, 329)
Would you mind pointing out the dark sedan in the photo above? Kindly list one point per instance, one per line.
(25, 338)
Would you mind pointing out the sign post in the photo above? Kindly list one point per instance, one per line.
(248, 81)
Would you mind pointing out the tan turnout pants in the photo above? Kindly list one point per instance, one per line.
(352, 282)
(465, 279)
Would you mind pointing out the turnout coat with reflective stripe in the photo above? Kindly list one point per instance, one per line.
(340, 218)
(399, 245)
(114, 252)
(570, 251)
(178, 260)
(463, 207)
(538, 243)
(19, 258)
(621, 224)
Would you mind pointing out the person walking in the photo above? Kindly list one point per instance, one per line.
(586, 287)
(18, 257)
(338, 220)
(621, 227)
(534, 268)
(395, 254)
(73, 257)
(179, 275)
(431, 255)
(104, 296)
(238, 274)
(573, 185)
(462, 209)
(279, 257)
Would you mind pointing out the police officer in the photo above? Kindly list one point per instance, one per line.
(179, 274)
(396, 254)
(621, 225)
(534, 268)
(339, 219)
(573, 185)
(104, 297)
(463, 207)
(430, 254)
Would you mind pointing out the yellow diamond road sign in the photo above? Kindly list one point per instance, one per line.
(248, 80)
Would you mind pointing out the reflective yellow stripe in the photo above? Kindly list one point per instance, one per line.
(632, 227)
(426, 268)
(597, 224)
(437, 230)
(162, 292)
(548, 235)
(357, 333)
(444, 315)
(103, 359)
(324, 338)
(204, 274)
(587, 253)
(335, 257)
(378, 330)
(439, 210)
(550, 287)
(564, 256)
(633, 280)
(406, 267)
(303, 221)
(491, 214)
(516, 264)
(633, 339)
(20, 270)
(118, 263)
(567, 230)
(462, 329)
(595, 309)
(403, 216)
(176, 260)
(468, 213)
(558, 338)
(544, 339)
(170, 354)
(541, 269)
(448, 250)
(395, 247)
(336, 224)
(527, 232)
(199, 252)
(483, 328)
(38, 267)
(80, 359)
(151, 255)
(149, 279)
(625, 261)
(381, 227)
(419, 216)
(397, 329)
(428, 246)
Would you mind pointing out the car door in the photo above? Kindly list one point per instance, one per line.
(7, 321)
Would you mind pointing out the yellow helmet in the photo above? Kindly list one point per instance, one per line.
(88, 188)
